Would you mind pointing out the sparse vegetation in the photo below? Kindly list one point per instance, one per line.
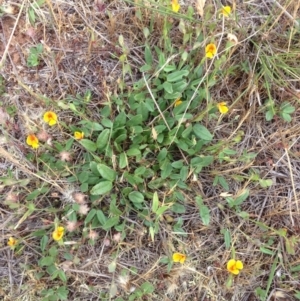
(149, 150)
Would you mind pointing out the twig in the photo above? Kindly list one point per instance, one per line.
(286, 12)
(11, 36)
(158, 108)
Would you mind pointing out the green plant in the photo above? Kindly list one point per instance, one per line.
(49, 262)
(284, 111)
(55, 294)
(145, 289)
(32, 10)
(33, 58)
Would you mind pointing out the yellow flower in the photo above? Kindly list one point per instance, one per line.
(222, 107)
(50, 118)
(178, 257)
(12, 242)
(210, 50)
(177, 103)
(175, 6)
(234, 266)
(225, 11)
(78, 135)
(58, 233)
(32, 141)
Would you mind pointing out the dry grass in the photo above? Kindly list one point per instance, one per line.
(82, 50)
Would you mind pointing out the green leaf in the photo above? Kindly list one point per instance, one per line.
(83, 177)
(38, 3)
(202, 132)
(101, 217)
(155, 202)
(31, 15)
(187, 131)
(84, 187)
(286, 117)
(90, 216)
(169, 68)
(167, 170)
(269, 115)
(161, 210)
(162, 154)
(102, 139)
(287, 108)
(199, 201)
(120, 120)
(53, 251)
(242, 197)
(227, 238)
(177, 75)
(177, 164)
(133, 152)
(112, 221)
(93, 167)
(145, 68)
(136, 197)
(135, 120)
(178, 208)
(106, 172)
(120, 138)
(184, 173)
(148, 55)
(123, 162)
(88, 145)
(140, 171)
(113, 209)
(265, 183)
(266, 251)
(151, 232)
(34, 194)
(62, 276)
(295, 268)
(113, 290)
(204, 214)
(168, 87)
(223, 183)
(261, 293)
(107, 123)
(102, 188)
(147, 288)
(46, 261)
(62, 293)
(44, 242)
(244, 215)
(156, 183)
(297, 295)
(112, 266)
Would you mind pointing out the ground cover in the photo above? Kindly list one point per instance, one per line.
(149, 150)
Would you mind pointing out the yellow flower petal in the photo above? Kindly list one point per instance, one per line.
(178, 257)
(78, 135)
(239, 265)
(177, 103)
(58, 233)
(32, 141)
(175, 6)
(50, 118)
(210, 50)
(12, 242)
(234, 266)
(222, 107)
(226, 11)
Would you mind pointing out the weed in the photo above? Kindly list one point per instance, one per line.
(149, 154)
(33, 59)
